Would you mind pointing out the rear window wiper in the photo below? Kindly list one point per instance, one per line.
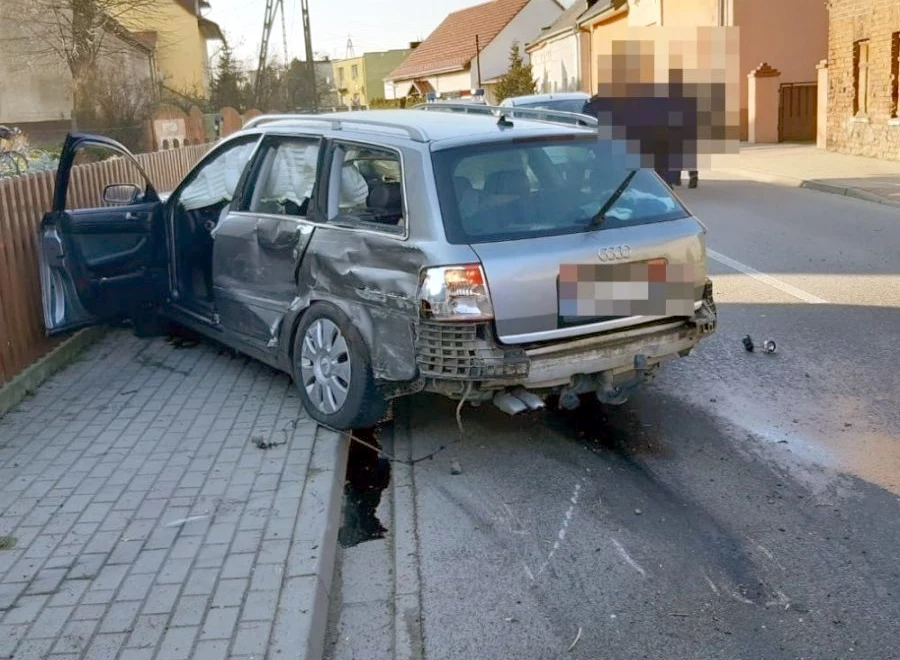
(600, 215)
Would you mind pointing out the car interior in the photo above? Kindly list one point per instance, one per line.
(199, 207)
(547, 187)
(371, 188)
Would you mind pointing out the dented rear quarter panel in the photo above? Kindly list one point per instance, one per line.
(373, 276)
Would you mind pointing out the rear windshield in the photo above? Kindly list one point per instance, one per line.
(527, 189)
(559, 105)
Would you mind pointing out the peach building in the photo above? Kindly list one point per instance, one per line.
(781, 44)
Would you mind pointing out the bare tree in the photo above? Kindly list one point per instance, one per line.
(77, 34)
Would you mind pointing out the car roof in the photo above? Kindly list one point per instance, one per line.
(440, 129)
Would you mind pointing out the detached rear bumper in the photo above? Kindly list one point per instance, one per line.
(462, 353)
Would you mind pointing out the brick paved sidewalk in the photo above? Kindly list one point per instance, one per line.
(147, 523)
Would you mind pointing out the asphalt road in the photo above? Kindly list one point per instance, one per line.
(744, 506)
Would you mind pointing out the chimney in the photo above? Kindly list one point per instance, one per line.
(414, 44)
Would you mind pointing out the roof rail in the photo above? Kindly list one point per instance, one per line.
(337, 123)
(552, 116)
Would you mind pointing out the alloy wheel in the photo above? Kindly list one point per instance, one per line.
(325, 368)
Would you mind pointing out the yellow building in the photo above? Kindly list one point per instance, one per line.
(179, 35)
(359, 80)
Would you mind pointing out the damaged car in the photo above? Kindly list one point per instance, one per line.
(376, 254)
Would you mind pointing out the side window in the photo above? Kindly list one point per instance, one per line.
(104, 176)
(287, 175)
(215, 182)
(366, 188)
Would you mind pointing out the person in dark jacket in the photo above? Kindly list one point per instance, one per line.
(662, 125)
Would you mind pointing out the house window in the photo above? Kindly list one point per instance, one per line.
(341, 74)
(354, 72)
(895, 74)
(861, 77)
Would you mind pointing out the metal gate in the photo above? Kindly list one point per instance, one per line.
(797, 112)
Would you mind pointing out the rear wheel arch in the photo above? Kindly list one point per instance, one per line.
(362, 405)
(361, 320)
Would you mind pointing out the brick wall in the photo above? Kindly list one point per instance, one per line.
(876, 134)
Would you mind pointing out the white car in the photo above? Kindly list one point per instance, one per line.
(563, 101)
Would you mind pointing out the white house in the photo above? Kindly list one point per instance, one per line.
(469, 50)
(556, 53)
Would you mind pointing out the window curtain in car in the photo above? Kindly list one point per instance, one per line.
(293, 172)
(217, 181)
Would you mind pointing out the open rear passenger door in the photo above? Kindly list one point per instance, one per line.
(102, 249)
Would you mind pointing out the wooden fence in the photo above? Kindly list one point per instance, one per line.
(23, 201)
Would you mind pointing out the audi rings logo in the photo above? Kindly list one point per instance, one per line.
(614, 253)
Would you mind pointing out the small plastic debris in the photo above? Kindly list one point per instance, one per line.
(638, 512)
(575, 641)
(455, 468)
(767, 347)
(511, 619)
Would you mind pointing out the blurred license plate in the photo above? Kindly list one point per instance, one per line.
(649, 288)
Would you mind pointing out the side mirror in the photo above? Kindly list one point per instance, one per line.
(121, 194)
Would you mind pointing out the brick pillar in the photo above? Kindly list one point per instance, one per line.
(822, 104)
(763, 85)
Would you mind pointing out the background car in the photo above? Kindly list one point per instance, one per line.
(562, 101)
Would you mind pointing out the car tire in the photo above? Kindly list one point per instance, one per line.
(333, 371)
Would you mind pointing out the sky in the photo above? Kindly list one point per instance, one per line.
(372, 25)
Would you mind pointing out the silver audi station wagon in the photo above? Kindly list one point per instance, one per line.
(486, 257)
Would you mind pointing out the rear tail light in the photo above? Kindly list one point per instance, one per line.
(455, 293)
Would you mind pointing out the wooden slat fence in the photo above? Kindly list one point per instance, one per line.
(23, 201)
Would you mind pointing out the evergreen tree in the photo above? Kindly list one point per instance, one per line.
(228, 87)
(518, 80)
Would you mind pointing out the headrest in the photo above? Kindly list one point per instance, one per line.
(386, 196)
(508, 182)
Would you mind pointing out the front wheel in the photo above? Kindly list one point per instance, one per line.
(333, 372)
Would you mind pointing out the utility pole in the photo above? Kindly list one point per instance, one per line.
(272, 8)
(310, 62)
(287, 62)
(268, 20)
(478, 60)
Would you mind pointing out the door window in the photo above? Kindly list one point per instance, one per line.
(366, 188)
(287, 176)
(216, 180)
(103, 176)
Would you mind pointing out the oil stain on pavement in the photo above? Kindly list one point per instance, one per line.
(368, 475)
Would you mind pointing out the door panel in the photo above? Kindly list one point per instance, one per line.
(255, 263)
(98, 264)
(258, 246)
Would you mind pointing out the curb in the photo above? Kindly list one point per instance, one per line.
(408, 626)
(34, 375)
(306, 599)
(810, 184)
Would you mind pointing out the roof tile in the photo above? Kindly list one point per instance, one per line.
(452, 44)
